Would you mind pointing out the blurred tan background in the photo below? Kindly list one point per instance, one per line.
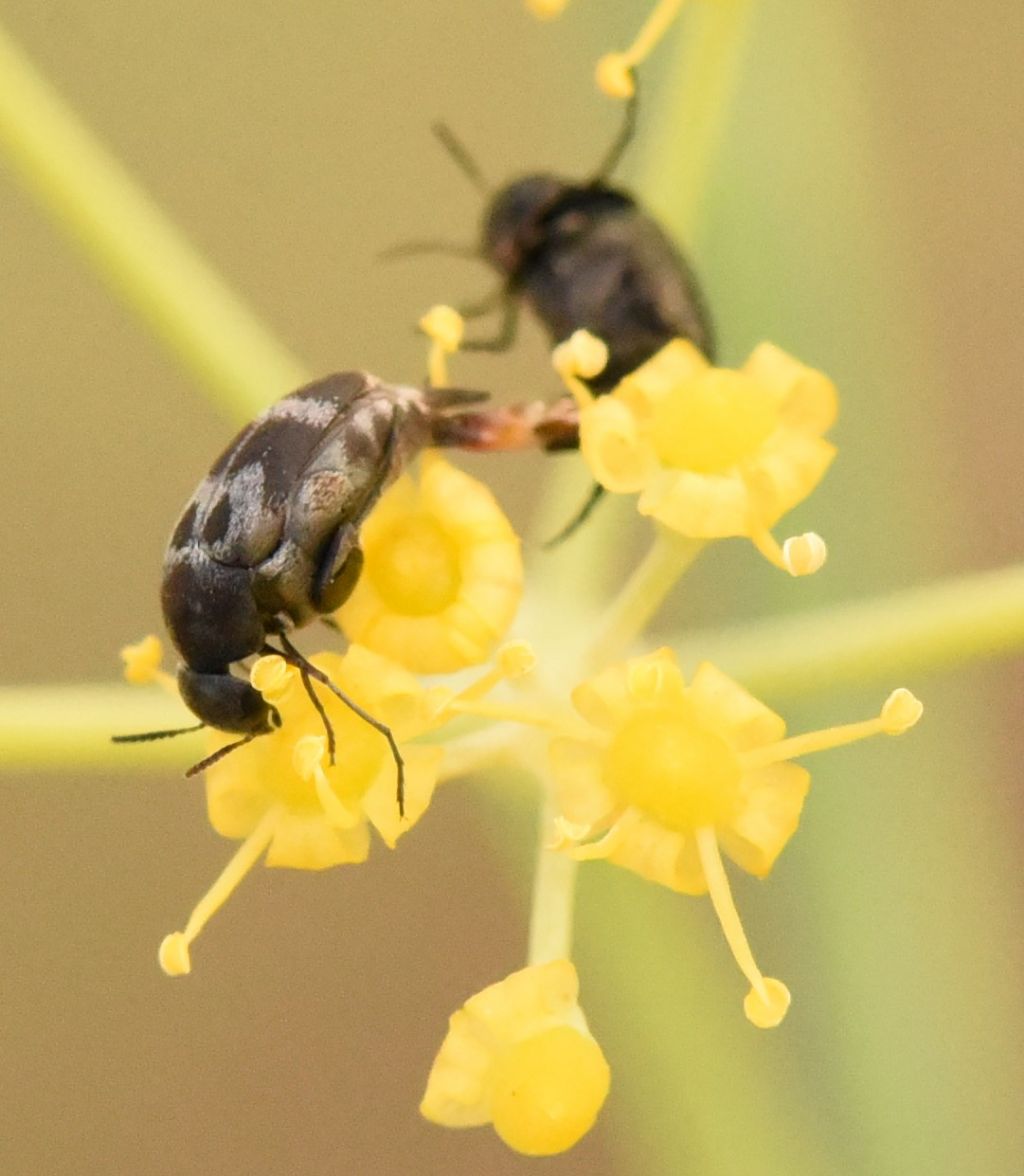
(292, 144)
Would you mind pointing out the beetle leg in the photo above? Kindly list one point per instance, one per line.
(484, 305)
(621, 141)
(295, 658)
(339, 569)
(506, 335)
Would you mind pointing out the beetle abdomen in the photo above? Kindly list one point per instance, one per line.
(621, 278)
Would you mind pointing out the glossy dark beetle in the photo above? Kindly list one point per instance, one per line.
(270, 539)
(586, 255)
(582, 255)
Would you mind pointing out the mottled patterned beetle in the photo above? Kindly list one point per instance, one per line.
(270, 539)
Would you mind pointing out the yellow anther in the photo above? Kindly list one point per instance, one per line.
(516, 659)
(900, 712)
(308, 756)
(582, 354)
(173, 955)
(615, 76)
(767, 1005)
(645, 679)
(546, 9)
(444, 326)
(803, 555)
(272, 676)
(142, 660)
(567, 834)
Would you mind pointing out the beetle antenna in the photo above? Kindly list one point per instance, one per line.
(306, 667)
(460, 156)
(420, 248)
(149, 736)
(621, 141)
(219, 754)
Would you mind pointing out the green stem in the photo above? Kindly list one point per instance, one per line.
(554, 895)
(967, 618)
(954, 622)
(676, 182)
(133, 245)
(641, 596)
(70, 727)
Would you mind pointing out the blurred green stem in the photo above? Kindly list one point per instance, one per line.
(136, 248)
(554, 895)
(640, 597)
(956, 621)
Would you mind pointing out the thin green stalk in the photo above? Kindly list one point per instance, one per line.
(956, 621)
(554, 895)
(951, 622)
(692, 116)
(135, 247)
(642, 595)
(46, 727)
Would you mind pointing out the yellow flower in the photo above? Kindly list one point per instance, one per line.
(546, 9)
(518, 1055)
(281, 794)
(669, 772)
(443, 574)
(713, 452)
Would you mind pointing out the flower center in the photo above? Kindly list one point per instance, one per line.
(415, 567)
(665, 763)
(713, 422)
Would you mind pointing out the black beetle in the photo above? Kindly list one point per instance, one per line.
(582, 255)
(270, 539)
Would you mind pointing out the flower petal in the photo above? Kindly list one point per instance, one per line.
(773, 799)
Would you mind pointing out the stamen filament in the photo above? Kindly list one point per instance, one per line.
(174, 949)
(797, 745)
(725, 909)
(652, 30)
(506, 712)
(642, 595)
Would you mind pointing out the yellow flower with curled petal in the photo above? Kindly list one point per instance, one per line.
(667, 773)
(281, 794)
(443, 573)
(712, 452)
(519, 1055)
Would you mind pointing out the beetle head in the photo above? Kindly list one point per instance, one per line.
(226, 702)
(513, 224)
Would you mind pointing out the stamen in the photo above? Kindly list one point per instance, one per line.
(800, 555)
(507, 712)
(768, 1000)
(546, 9)
(273, 677)
(605, 846)
(614, 70)
(580, 357)
(444, 326)
(899, 713)
(142, 664)
(308, 759)
(515, 659)
(804, 554)
(174, 950)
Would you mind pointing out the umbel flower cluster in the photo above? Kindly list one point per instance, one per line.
(639, 765)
